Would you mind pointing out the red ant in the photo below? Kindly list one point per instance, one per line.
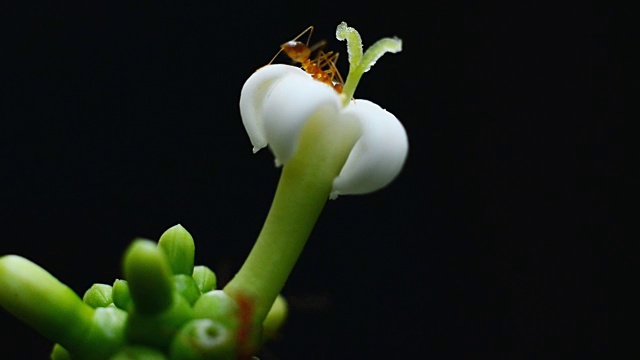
(301, 53)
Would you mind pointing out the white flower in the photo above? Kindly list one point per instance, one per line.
(277, 101)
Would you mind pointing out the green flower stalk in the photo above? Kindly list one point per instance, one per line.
(328, 145)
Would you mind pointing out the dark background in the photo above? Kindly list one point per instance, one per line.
(119, 122)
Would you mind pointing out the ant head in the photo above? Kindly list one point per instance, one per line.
(296, 50)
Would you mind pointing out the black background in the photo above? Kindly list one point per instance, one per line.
(118, 122)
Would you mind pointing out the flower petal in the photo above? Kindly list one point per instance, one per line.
(255, 92)
(293, 102)
(379, 154)
(276, 102)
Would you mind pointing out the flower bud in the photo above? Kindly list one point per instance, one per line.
(98, 295)
(205, 278)
(138, 353)
(179, 247)
(203, 339)
(121, 295)
(149, 277)
(186, 286)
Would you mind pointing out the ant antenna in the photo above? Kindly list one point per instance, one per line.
(310, 30)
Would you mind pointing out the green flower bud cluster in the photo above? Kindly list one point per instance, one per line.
(164, 308)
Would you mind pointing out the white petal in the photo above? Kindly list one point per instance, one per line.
(379, 154)
(275, 103)
(255, 92)
(292, 102)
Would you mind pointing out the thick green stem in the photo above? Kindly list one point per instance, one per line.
(304, 187)
(36, 297)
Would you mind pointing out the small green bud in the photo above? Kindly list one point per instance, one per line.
(105, 336)
(276, 317)
(121, 295)
(204, 339)
(158, 329)
(219, 307)
(186, 286)
(147, 271)
(98, 295)
(179, 247)
(205, 278)
(59, 353)
(138, 353)
(37, 298)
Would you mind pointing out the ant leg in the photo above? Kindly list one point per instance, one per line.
(330, 59)
(319, 46)
(310, 30)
